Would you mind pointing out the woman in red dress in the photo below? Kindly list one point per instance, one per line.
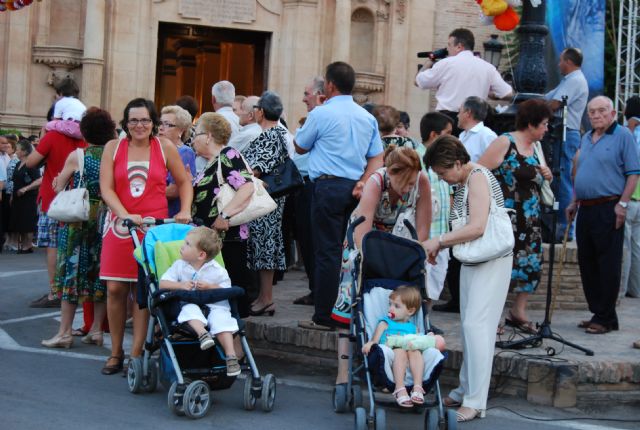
(133, 174)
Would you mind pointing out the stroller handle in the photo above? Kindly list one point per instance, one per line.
(351, 228)
(148, 221)
(411, 228)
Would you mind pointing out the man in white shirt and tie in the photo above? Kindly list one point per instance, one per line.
(476, 137)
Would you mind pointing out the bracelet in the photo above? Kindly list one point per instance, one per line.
(225, 216)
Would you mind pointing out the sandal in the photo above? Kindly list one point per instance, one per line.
(596, 328)
(112, 369)
(78, 332)
(403, 401)
(584, 324)
(450, 403)
(417, 395)
(464, 414)
(312, 325)
(522, 325)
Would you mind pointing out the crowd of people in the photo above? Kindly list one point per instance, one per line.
(354, 162)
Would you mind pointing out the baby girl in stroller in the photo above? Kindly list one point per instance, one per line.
(401, 335)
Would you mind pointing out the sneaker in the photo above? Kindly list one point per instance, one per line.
(233, 367)
(206, 341)
(45, 302)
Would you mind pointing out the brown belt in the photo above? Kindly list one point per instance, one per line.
(321, 177)
(598, 201)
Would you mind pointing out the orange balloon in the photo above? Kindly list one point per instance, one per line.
(507, 21)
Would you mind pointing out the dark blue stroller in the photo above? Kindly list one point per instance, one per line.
(384, 263)
(187, 371)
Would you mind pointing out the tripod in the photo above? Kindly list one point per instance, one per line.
(544, 329)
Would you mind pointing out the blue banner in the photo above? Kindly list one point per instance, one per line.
(579, 24)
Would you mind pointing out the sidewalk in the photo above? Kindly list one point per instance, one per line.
(566, 379)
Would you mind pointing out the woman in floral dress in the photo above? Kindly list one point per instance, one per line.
(78, 262)
(210, 142)
(516, 167)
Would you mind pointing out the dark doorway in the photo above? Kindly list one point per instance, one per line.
(192, 58)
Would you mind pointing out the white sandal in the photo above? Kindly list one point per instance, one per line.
(403, 401)
(469, 414)
(417, 395)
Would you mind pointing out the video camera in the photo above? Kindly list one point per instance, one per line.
(436, 55)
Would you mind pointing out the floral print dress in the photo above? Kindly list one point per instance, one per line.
(79, 244)
(266, 242)
(520, 182)
(206, 188)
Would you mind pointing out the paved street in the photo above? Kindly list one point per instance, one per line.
(63, 389)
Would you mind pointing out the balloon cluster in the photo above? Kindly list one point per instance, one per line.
(500, 13)
(14, 4)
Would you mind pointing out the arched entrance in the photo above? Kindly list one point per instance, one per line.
(192, 58)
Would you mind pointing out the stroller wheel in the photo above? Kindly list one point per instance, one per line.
(174, 399)
(151, 383)
(381, 419)
(134, 375)
(268, 395)
(248, 398)
(361, 419)
(356, 397)
(196, 400)
(452, 420)
(431, 419)
(340, 402)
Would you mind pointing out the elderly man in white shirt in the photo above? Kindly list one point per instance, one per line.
(461, 75)
(475, 136)
(249, 128)
(223, 94)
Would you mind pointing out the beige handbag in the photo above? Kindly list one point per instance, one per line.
(72, 205)
(261, 202)
(546, 195)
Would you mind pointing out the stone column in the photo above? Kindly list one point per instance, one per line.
(93, 58)
(342, 31)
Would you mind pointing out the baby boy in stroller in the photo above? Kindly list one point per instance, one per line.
(197, 270)
(403, 337)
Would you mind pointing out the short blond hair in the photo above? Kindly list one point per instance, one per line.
(409, 296)
(183, 118)
(206, 240)
(216, 125)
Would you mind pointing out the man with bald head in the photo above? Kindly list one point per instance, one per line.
(249, 128)
(606, 168)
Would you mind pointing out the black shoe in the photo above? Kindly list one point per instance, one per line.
(304, 300)
(448, 307)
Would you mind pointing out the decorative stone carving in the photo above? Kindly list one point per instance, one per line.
(61, 59)
(366, 85)
(220, 11)
(401, 9)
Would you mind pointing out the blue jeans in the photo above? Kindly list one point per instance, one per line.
(565, 188)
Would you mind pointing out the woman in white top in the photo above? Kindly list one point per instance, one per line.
(483, 286)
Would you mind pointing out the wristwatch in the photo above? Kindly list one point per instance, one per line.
(623, 204)
(225, 216)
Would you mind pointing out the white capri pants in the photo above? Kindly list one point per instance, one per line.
(219, 320)
(436, 274)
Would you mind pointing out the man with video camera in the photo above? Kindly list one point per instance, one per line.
(460, 75)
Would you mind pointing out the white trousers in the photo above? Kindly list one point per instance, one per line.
(483, 292)
(630, 282)
(436, 274)
(219, 319)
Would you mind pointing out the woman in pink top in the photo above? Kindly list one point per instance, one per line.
(133, 176)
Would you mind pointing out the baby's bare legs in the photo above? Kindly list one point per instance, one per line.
(416, 364)
(198, 326)
(400, 361)
(226, 340)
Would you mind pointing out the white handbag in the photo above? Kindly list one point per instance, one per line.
(496, 241)
(261, 202)
(546, 195)
(72, 205)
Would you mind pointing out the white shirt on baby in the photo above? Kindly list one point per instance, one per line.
(210, 272)
(69, 108)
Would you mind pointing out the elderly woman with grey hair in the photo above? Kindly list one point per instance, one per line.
(266, 244)
(175, 125)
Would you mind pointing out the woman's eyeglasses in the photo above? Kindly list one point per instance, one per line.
(144, 121)
(166, 124)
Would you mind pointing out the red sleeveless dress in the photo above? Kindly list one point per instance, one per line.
(141, 190)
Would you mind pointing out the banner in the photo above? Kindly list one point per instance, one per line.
(578, 24)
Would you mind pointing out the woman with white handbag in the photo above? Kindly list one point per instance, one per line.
(482, 239)
(226, 198)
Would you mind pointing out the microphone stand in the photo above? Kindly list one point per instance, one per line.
(544, 329)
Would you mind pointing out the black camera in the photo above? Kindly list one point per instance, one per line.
(438, 54)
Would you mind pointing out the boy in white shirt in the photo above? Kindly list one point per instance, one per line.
(197, 270)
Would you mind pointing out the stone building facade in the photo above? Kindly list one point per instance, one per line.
(162, 49)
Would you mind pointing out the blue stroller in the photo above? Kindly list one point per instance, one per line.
(189, 372)
(384, 263)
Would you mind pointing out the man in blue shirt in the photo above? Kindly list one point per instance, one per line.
(574, 86)
(344, 149)
(607, 169)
